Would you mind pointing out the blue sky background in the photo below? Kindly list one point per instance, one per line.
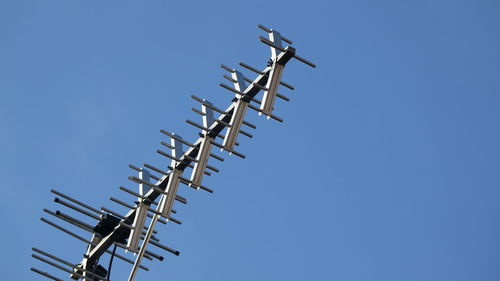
(386, 168)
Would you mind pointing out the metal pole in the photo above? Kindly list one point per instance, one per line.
(143, 247)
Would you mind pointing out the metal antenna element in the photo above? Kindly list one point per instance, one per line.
(157, 187)
(142, 210)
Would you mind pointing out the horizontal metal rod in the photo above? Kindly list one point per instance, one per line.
(305, 61)
(86, 241)
(190, 184)
(113, 213)
(132, 192)
(270, 30)
(217, 157)
(120, 202)
(167, 145)
(54, 257)
(181, 199)
(271, 44)
(80, 210)
(207, 104)
(160, 171)
(230, 89)
(124, 247)
(248, 79)
(187, 183)
(230, 79)
(213, 168)
(140, 170)
(197, 125)
(154, 177)
(77, 221)
(198, 111)
(168, 249)
(60, 267)
(249, 124)
(176, 138)
(259, 110)
(168, 155)
(245, 133)
(227, 68)
(135, 168)
(156, 256)
(230, 151)
(287, 85)
(73, 221)
(74, 201)
(174, 220)
(262, 73)
(138, 180)
(251, 68)
(43, 273)
(74, 266)
(282, 97)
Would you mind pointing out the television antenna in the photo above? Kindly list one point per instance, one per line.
(158, 186)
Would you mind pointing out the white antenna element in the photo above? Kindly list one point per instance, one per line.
(167, 200)
(274, 80)
(202, 158)
(145, 176)
(205, 146)
(275, 37)
(176, 142)
(240, 82)
(208, 117)
(238, 114)
(140, 216)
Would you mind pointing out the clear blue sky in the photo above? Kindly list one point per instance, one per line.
(386, 168)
